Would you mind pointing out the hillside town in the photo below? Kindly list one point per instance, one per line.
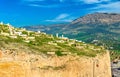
(29, 36)
(22, 32)
(43, 52)
(15, 32)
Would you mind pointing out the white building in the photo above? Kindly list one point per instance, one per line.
(38, 31)
(5, 34)
(17, 33)
(1, 23)
(10, 28)
(57, 35)
(13, 36)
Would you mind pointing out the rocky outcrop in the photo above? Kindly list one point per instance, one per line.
(33, 65)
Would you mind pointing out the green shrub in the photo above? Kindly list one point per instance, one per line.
(58, 53)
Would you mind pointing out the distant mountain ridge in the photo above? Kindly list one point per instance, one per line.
(107, 18)
(104, 27)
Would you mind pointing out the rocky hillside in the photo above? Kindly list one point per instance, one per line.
(26, 53)
(98, 18)
(24, 64)
(98, 28)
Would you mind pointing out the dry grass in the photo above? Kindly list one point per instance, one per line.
(11, 69)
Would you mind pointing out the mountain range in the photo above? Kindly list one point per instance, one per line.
(97, 28)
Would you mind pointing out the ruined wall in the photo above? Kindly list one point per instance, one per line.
(33, 65)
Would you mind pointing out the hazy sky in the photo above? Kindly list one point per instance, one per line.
(33, 12)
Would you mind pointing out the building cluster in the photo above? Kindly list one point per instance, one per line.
(22, 32)
(62, 36)
(30, 36)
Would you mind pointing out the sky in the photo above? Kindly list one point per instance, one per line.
(43, 12)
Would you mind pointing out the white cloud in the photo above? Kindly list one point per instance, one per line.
(61, 0)
(33, 0)
(92, 1)
(44, 6)
(62, 18)
(111, 7)
(34, 5)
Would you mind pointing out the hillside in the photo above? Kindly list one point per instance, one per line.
(41, 42)
(26, 53)
(98, 28)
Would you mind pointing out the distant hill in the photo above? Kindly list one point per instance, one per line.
(103, 27)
